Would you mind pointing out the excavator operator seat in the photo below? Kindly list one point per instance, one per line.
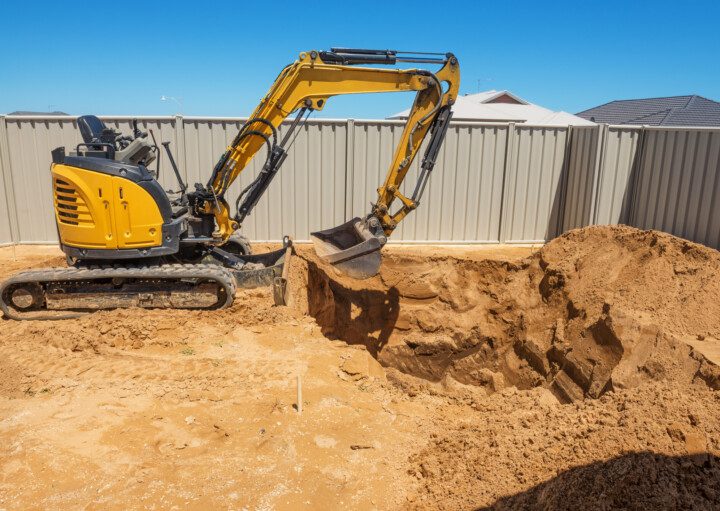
(100, 141)
(93, 129)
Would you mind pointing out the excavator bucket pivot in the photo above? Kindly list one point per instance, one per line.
(351, 248)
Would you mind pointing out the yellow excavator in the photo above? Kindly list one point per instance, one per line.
(129, 242)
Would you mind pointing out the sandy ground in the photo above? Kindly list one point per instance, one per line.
(581, 375)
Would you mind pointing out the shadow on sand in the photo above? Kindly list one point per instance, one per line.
(642, 481)
(361, 316)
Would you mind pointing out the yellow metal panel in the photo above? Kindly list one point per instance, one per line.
(99, 211)
(137, 216)
(83, 207)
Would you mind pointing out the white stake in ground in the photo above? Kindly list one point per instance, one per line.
(299, 394)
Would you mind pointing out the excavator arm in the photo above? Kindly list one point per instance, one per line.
(306, 85)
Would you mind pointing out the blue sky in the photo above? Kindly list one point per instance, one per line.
(220, 57)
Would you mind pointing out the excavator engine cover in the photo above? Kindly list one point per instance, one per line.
(351, 247)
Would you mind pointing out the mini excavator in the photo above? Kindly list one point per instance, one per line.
(128, 242)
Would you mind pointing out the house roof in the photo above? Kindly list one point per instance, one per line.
(489, 96)
(27, 112)
(484, 107)
(668, 111)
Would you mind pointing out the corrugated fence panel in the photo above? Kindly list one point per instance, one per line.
(580, 176)
(5, 211)
(677, 188)
(29, 144)
(5, 231)
(307, 194)
(463, 197)
(504, 182)
(478, 178)
(372, 153)
(614, 195)
(533, 202)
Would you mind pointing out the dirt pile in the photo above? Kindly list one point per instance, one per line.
(597, 309)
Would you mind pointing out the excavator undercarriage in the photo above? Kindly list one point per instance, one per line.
(130, 243)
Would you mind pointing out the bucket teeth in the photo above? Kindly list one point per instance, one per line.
(351, 248)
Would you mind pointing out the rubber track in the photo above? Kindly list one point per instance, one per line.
(207, 272)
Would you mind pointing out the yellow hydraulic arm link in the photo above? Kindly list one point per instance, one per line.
(306, 85)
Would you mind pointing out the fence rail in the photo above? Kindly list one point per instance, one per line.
(511, 183)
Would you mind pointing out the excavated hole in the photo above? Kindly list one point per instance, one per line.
(493, 324)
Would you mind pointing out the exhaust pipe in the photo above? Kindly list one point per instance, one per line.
(352, 248)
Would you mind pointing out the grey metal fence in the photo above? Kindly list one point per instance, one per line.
(492, 183)
(533, 177)
(677, 184)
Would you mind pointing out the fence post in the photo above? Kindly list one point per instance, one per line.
(563, 185)
(635, 171)
(7, 177)
(505, 195)
(349, 166)
(600, 145)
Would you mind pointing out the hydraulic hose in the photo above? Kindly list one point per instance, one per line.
(220, 167)
(226, 170)
(253, 121)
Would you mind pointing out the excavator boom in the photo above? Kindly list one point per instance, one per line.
(305, 86)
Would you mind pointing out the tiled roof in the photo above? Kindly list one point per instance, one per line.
(670, 111)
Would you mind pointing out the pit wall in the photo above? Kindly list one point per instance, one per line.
(493, 183)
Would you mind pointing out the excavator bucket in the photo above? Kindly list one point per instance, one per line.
(351, 248)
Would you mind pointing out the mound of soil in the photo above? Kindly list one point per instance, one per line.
(597, 309)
